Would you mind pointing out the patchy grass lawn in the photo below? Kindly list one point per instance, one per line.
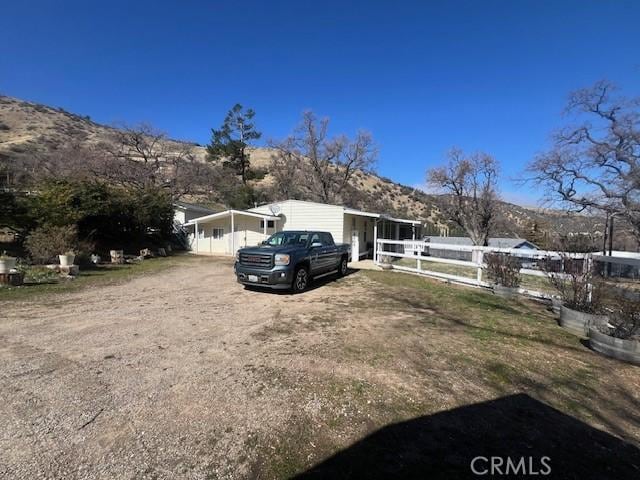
(532, 282)
(414, 348)
(105, 274)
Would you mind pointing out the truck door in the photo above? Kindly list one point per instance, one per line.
(330, 252)
(316, 254)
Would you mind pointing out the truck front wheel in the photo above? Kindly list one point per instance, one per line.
(300, 280)
(343, 267)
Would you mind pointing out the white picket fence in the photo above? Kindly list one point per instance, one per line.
(415, 250)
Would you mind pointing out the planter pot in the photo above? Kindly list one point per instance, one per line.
(618, 348)
(66, 260)
(7, 264)
(578, 323)
(505, 292)
(386, 266)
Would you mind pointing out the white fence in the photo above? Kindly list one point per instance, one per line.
(422, 254)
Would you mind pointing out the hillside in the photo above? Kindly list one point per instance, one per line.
(26, 127)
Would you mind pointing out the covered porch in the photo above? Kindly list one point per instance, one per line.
(363, 229)
(223, 233)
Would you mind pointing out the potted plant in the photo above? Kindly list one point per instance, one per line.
(385, 262)
(7, 263)
(620, 337)
(580, 292)
(67, 258)
(504, 272)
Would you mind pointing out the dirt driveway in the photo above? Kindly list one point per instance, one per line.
(184, 374)
(168, 375)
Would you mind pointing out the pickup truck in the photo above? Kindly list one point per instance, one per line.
(290, 259)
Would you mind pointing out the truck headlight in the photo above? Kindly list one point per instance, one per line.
(282, 259)
(238, 256)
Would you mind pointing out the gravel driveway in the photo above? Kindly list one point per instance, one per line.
(183, 374)
(167, 376)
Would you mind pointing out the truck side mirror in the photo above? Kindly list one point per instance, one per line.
(316, 245)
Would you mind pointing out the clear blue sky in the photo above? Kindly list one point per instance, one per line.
(421, 76)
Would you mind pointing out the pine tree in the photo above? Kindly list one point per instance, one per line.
(231, 141)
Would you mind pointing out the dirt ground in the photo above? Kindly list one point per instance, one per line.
(185, 374)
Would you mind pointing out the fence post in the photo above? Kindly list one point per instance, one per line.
(478, 254)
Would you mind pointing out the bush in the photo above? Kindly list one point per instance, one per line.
(40, 275)
(580, 288)
(503, 269)
(45, 243)
(623, 310)
(107, 217)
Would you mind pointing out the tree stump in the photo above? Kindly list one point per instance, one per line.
(12, 279)
(117, 256)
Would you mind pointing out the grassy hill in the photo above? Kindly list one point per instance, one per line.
(27, 127)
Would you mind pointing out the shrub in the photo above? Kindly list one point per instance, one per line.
(503, 269)
(580, 288)
(45, 243)
(623, 310)
(40, 275)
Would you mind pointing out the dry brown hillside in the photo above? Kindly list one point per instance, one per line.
(27, 126)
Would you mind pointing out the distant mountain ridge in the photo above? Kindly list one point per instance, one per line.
(27, 126)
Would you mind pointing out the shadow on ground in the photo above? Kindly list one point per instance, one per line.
(443, 445)
(315, 283)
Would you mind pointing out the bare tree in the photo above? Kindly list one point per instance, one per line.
(595, 165)
(470, 187)
(326, 164)
(142, 157)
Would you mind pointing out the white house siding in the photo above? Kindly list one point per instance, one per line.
(364, 226)
(248, 232)
(205, 243)
(299, 215)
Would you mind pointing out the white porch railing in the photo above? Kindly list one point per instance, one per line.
(421, 253)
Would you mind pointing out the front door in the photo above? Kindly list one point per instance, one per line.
(355, 244)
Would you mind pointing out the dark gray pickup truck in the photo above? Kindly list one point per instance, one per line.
(289, 260)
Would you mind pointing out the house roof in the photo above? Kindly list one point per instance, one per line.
(191, 206)
(227, 213)
(498, 242)
(351, 211)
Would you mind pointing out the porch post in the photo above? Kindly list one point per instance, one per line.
(413, 231)
(197, 235)
(233, 235)
(264, 227)
(397, 231)
(375, 240)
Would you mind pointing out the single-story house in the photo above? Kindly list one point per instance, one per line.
(212, 234)
(496, 242)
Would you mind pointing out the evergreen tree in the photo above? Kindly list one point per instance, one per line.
(231, 141)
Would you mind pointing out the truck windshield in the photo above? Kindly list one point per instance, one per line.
(287, 238)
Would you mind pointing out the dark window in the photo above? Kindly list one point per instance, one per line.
(326, 239)
(270, 223)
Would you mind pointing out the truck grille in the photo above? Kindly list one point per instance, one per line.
(256, 260)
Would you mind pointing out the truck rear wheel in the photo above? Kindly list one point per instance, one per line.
(300, 280)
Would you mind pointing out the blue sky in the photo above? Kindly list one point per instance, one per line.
(421, 76)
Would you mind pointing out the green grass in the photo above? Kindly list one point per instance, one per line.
(101, 275)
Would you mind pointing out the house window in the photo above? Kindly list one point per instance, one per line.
(270, 223)
(201, 233)
(217, 233)
(353, 222)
